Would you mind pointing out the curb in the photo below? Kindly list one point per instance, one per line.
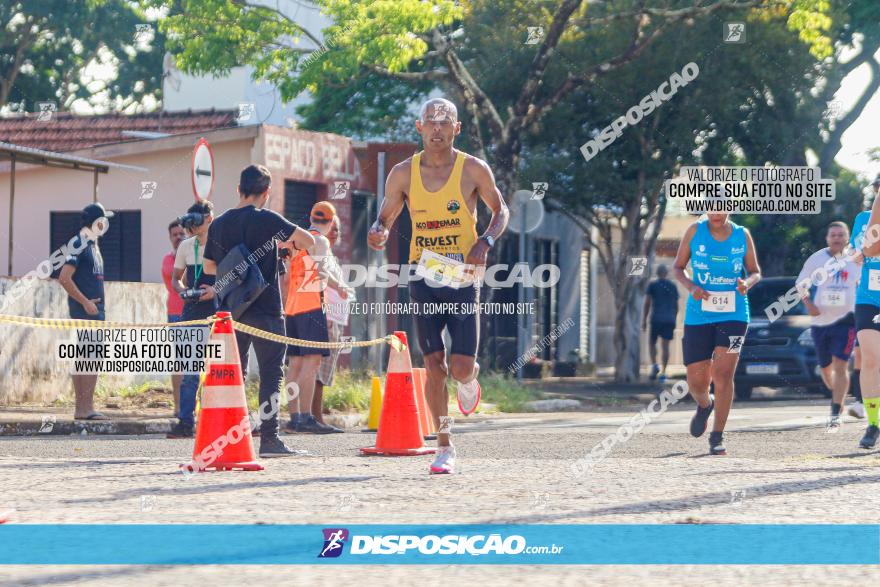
(85, 427)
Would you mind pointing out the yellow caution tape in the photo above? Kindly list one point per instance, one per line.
(390, 339)
(68, 323)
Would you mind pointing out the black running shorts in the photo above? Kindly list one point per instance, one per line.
(700, 340)
(437, 308)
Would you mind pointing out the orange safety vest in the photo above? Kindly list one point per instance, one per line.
(306, 290)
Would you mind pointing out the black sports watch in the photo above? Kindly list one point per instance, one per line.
(490, 240)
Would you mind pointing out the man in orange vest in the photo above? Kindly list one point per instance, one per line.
(306, 319)
(441, 187)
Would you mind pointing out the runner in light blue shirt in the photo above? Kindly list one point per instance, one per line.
(724, 266)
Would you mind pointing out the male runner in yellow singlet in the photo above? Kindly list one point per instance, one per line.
(441, 186)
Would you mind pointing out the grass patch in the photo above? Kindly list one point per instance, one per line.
(102, 389)
(505, 392)
(351, 392)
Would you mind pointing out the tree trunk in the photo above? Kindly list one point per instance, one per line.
(627, 333)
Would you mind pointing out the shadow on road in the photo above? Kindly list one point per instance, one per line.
(695, 502)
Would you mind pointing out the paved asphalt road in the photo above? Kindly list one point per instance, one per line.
(782, 468)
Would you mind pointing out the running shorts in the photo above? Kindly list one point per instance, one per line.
(834, 340)
(462, 322)
(865, 314)
(665, 330)
(311, 325)
(700, 340)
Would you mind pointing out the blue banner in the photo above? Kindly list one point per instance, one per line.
(170, 544)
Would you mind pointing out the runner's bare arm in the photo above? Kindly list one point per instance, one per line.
(323, 257)
(682, 258)
(392, 205)
(753, 270)
(301, 239)
(871, 246)
(492, 198)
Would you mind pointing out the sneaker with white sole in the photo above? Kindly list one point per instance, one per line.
(834, 424)
(444, 461)
(468, 395)
(857, 410)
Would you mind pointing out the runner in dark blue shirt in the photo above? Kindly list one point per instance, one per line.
(661, 302)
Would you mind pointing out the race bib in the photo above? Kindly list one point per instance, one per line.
(874, 279)
(832, 298)
(442, 270)
(720, 301)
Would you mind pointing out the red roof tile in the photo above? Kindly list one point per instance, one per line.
(69, 132)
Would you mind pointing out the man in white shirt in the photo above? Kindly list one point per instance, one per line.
(829, 295)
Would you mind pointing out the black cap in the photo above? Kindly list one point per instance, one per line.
(92, 212)
(876, 181)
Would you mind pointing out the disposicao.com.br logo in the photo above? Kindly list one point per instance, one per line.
(451, 544)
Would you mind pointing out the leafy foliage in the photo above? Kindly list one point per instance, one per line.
(46, 47)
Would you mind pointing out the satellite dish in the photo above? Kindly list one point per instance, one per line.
(524, 202)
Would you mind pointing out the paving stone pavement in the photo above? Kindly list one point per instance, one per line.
(514, 470)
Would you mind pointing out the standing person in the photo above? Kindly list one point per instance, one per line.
(441, 187)
(190, 262)
(257, 229)
(328, 364)
(831, 304)
(306, 319)
(717, 314)
(866, 239)
(82, 277)
(173, 303)
(661, 302)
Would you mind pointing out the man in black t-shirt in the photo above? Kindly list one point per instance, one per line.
(661, 303)
(82, 277)
(259, 230)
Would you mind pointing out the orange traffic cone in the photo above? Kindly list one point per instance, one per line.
(426, 421)
(399, 430)
(223, 435)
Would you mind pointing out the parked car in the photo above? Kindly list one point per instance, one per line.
(780, 353)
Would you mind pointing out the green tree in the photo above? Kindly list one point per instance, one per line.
(810, 123)
(45, 47)
(481, 54)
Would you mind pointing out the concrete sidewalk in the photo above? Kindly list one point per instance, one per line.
(39, 420)
(595, 394)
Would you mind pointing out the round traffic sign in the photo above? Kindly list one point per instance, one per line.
(525, 207)
(202, 170)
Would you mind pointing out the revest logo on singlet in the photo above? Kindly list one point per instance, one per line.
(437, 241)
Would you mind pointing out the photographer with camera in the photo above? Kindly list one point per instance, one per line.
(198, 299)
(242, 251)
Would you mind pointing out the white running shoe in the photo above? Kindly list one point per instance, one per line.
(468, 395)
(857, 410)
(834, 425)
(444, 461)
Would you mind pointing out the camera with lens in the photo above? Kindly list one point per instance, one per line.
(193, 293)
(192, 220)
